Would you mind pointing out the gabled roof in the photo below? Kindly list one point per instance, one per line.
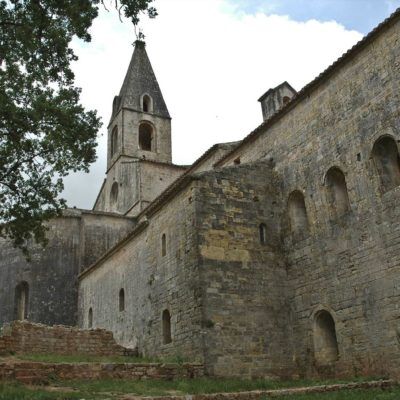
(269, 91)
(140, 79)
(319, 80)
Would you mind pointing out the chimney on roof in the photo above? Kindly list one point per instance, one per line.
(274, 99)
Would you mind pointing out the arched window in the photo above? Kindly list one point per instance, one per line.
(163, 245)
(337, 191)
(21, 301)
(262, 230)
(114, 140)
(114, 193)
(297, 212)
(90, 318)
(166, 323)
(147, 103)
(325, 342)
(285, 100)
(122, 300)
(145, 136)
(386, 157)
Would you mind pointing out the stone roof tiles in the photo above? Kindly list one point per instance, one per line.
(139, 80)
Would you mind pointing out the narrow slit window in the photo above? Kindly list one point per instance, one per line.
(122, 300)
(114, 193)
(90, 318)
(163, 245)
(21, 301)
(263, 233)
(166, 323)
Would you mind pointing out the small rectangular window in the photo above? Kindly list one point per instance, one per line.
(163, 245)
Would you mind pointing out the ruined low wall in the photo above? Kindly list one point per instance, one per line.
(42, 373)
(24, 337)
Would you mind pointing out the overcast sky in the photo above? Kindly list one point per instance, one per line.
(213, 59)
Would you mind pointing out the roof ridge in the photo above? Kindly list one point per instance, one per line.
(315, 82)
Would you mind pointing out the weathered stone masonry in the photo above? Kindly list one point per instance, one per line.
(275, 256)
(347, 264)
(243, 280)
(75, 241)
(152, 283)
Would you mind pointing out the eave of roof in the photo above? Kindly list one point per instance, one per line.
(133, 158)
(319, 80)
(177, 184)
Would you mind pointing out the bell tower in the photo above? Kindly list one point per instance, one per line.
(139, 159)
(140, 124)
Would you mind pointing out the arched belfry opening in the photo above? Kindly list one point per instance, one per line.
(386, 158)
(166, 325)
(297, 212)
(147, 103)
(114, 140)
(146, 133)
(338, 197)
(21, 301)
(326, 349)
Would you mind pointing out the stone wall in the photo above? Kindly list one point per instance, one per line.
(44, 373)
(153, 281)
(321, 296)
(347, 265)
(21, 337)
(75, 240)
(139, 182)
(243, 276)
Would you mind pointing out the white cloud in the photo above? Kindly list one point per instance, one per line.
(212, 65)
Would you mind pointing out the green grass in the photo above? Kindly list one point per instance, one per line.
(14, 391)
(113, 389)
(187, 386)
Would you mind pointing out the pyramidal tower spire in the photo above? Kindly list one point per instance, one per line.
(139, 81)
(139, 159)
(140, 124)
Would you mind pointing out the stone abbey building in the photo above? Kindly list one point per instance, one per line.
(278, 255)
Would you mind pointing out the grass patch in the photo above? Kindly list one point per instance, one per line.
(189, 386)
(113, 389)
(15, 391)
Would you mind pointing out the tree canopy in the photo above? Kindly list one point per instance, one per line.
(45, 132)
